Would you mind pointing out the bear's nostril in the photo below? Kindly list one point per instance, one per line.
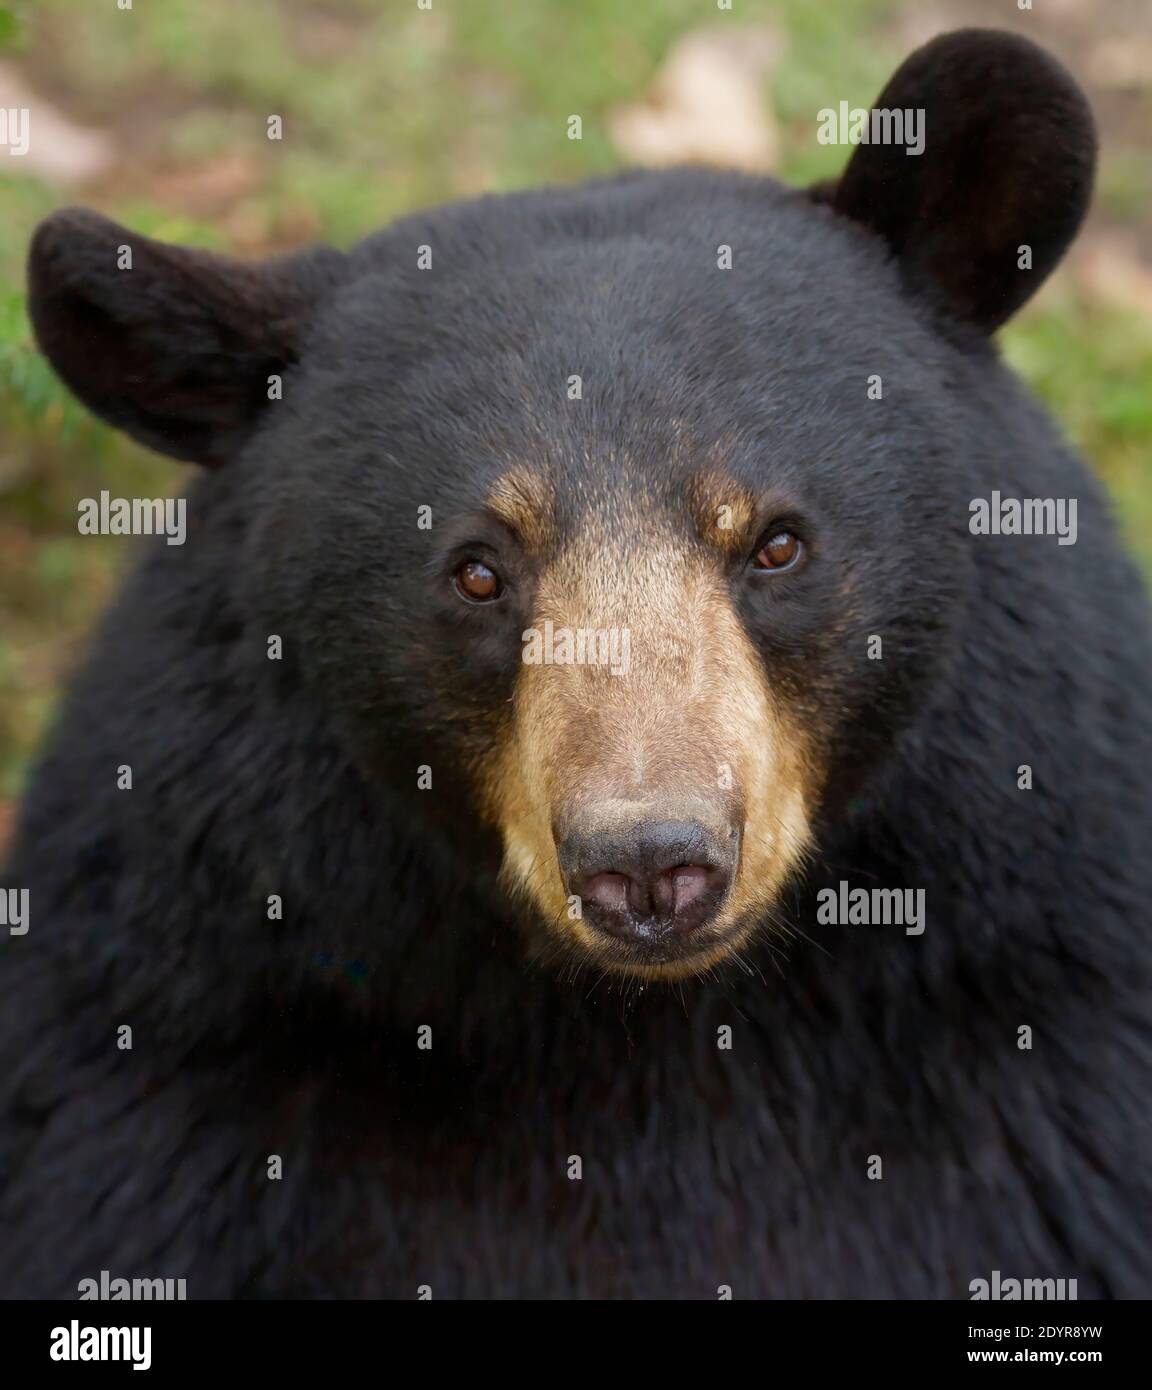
(689, 881)
(658, 881)
(671, 891)
(652, 905)
(608, 891)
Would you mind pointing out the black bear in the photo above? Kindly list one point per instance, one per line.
(636, 783)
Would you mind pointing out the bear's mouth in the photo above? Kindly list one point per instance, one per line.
(654, 951)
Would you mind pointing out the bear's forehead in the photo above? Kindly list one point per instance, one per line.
(689, 269)
(618, 506)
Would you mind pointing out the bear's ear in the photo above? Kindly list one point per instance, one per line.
(173, 346)
(1007, 163)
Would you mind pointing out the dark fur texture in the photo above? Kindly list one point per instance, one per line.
(701, 1167)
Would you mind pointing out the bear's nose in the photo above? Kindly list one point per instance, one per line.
(654, 883)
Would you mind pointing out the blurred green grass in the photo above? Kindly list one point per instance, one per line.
(388, 108)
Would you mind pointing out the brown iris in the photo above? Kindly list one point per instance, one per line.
(779, 552)
(476, 582)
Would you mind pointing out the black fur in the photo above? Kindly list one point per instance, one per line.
(701, 1167)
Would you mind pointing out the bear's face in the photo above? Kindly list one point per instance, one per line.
(634, 517)
(625, 620)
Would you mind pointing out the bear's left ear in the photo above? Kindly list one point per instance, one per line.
(171, 345)
(984, 213)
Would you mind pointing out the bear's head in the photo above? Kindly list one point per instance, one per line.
(632, 516)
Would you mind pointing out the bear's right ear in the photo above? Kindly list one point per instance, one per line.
(171, 345)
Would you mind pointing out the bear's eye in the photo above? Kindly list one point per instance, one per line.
(781, 551)
(477, 583)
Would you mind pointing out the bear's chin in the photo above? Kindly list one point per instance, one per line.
(574, 955)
